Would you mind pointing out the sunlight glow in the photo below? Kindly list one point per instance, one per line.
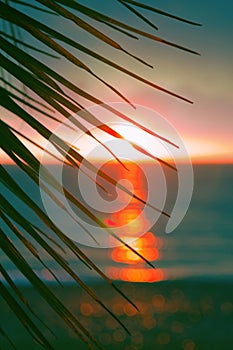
(123, 148)
(148, 246)
(135, 274)
(201, 150)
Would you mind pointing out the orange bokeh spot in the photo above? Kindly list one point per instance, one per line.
(86, 309)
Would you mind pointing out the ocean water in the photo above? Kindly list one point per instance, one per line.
(189, 307)
(201, 246)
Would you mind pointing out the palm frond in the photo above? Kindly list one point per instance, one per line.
(25, 320)
(25, 45)
(138, 14)
(31, 89)
(27, 4)
(103, 18)
(160, 12)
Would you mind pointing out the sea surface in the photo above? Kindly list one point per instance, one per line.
(200, 247)
(187, 306)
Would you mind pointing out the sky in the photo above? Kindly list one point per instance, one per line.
(206, 126)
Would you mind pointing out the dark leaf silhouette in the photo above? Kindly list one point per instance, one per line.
(32, 91)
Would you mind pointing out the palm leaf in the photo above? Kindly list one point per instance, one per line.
(160, 12)
(26, 321)
(4, 334)
(9, 86)
(146, 20)
(20, 69)
(28, 46)
(103, 18)
(16, 257)
(17, 291)
(24, 3)
(19, 19)
(11, 184)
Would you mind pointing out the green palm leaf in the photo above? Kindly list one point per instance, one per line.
(34, 91)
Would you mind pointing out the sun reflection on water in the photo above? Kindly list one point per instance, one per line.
(128, 266)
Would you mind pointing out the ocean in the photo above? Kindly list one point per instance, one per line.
(201, 246)
(187, 305)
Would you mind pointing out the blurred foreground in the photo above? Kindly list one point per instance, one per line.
(188, 314)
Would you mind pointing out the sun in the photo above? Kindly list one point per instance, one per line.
(131, 146)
